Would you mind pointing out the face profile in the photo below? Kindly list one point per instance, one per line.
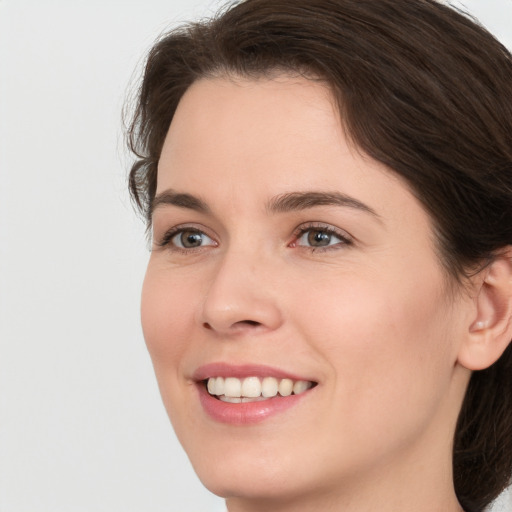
(272, 277)
(314, 340)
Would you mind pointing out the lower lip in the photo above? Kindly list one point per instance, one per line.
(246, 413)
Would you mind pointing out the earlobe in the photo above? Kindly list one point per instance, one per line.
(490, 331)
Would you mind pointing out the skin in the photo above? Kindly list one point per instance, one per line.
(372, 320)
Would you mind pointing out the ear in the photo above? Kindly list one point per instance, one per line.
(490, 329)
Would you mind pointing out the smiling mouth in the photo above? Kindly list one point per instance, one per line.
(254, 389)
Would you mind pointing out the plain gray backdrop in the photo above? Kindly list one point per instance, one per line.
(82, 427)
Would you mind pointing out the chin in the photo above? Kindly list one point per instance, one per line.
(253, 468)
(250, 481)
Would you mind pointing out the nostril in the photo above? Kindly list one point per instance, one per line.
(237, 325)
(252, 323)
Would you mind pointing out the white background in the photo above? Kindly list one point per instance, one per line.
(81, 423)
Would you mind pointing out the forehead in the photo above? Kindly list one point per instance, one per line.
(226, 114)
(242, 141)
(233, 127)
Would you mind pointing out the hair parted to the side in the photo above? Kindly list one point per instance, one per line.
(421, 88)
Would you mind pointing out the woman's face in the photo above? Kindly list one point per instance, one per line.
(281, 253)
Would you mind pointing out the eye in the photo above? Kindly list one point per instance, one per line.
(319, 237)
(190, 239)
(185, 239)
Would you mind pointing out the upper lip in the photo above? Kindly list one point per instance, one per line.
(221, 369)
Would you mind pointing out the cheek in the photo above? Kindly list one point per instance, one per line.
(388, 344)
(167, 322)
(166, 318)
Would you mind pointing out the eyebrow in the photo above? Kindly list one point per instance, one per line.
(181, 200)
(287, 202)
(294, 201)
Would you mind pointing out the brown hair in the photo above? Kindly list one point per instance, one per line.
(421, 88)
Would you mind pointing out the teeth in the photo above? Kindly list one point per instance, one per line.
(269, 387)
(252, 389)
(216, 386)
(286, 387)
(219, 386)
(300, 386)
(231, 400)
(232, 387)
(240, 400)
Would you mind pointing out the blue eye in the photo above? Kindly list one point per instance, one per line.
(190, 239)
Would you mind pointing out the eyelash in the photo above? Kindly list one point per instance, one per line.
(165, 241)
(345, 239)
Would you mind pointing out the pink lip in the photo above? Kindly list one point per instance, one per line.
(244, 413)
(242, 371)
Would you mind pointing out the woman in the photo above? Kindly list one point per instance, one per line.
(328, 302)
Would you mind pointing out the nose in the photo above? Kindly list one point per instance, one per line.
(241, 296)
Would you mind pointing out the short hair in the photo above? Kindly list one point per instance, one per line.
(420, 87)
